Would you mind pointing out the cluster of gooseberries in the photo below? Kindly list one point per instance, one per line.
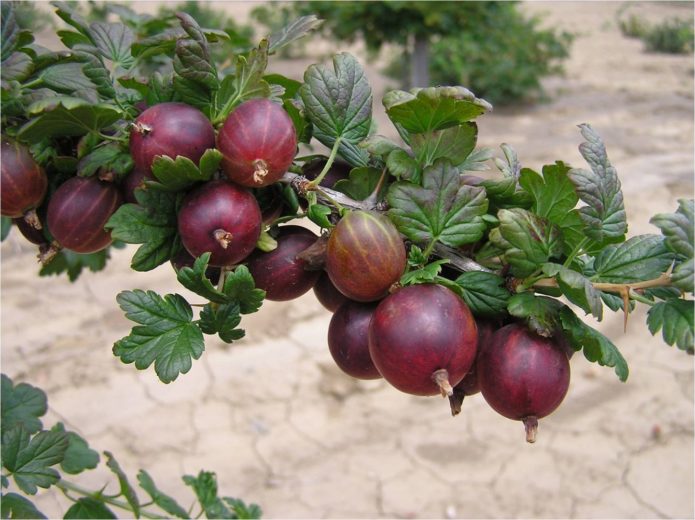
(422, 339)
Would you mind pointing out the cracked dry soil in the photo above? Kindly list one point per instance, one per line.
(282, 427)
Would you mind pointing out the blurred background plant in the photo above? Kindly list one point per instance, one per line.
(489, 47)
(672, 36)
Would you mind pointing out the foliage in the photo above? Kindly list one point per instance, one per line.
(489, 47)
(34, 457)
(672, 36)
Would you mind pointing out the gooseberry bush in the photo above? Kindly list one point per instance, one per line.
(444, 277)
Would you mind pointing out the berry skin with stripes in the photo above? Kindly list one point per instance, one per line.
(423, 339)
(258, 142)
(365, 256)
(23, 182)
(78, 211)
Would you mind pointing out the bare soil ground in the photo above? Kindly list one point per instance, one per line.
(283, 427)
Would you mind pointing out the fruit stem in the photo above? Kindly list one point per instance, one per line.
(531, 426)
(260, 170)
(223, 237)
(327, 166)
(456, 401)
(32, 218)
(47, 253)
(66, 487)
(441, 377)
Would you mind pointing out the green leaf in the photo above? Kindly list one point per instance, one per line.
(643, 257)
(338, 103)
(152, 222)
(526, 239)
(577, 288)
(72, 38)
(554, 198)
(209, 163)
(240, 287)
(194, 280)
(65, 116)
(241, 510)
(402, 166)
(604, 214)
(361, 183)
(71, 17)
(678, 228)
(426, 274)
(93, 67)
(539, 312)
(597, 348)
(89, 507)
(22, 405)
(433, 108)
(113, 41)
(29, 461)
(9, 31)
(16, 506)
(205, 487)
(477, 160)
(318, 214)
(682, 275)
(246, 83)
(192, 62)
(177, 174)
(161, 500)
(222, 320)
(17, 67)
(379, 146)
(161, 89)
(443, 209)
(66, 78)
(292, 32)
(126, 489)
(675, 320)
(6, 227)
(484, 293)
(100, 157)
(79, 456)
(166, 336)
(455, 143)
(72, 263)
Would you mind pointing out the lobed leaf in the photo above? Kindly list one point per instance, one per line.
(674, 318)
(30, 460)
(484, 293)
(66, 116)
(13, 505)
(443, 209)
(597, 348)
(435, 108)
(78, 456)
(180, 173)
(152, 222)
(643, 257)
(114, 41)
(604, 214)
(526, 239)
(678, 228)
(338, 103)
(240, 287)
(555, 199)
(361, 183)
(205, 488)
(167, 336)
(401, 165)
(21, 405)
(72, 263)
(222, 320)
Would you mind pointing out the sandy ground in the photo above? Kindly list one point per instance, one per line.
(282, 427)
